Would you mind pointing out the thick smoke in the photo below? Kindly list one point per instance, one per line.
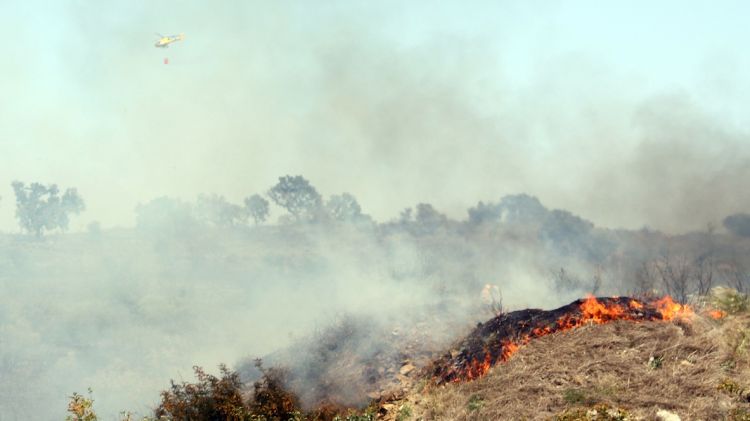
(401, 105)
(122, 311)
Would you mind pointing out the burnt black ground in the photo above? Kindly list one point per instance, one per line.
(493, 340)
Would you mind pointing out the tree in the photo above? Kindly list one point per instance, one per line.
(705, 266)
(564, 227)
(428, 219)
(521, 209)
(596, 281)
(484, 213)
(215, 210)
(738, 224)
(675, 274)
(405, 217)
(568, 234)
(564, 281)
(736, 275)
(165, 215)
(257, 208)
(298, 197)
(343, 208)
(517, 209)
(645, 281)
(40, 207)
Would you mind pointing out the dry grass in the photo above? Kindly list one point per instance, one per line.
(638, 367)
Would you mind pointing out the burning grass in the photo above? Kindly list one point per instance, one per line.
(560, 364)
(611, 369)
(501, 337)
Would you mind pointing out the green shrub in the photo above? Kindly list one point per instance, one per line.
(738, 414)
(81, 408)
(597, 413)
(739, 341)
(211, 398)
(730, 301)
(404, 413)
(367, 416)
(476, 402)
(730, 387)
(655, 362)
(577, 397)
(728, 365)
(271, 400)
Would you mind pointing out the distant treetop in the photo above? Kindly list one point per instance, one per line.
(297, 196)
(40, 208)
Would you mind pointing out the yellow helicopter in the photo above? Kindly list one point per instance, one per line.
(164, 41)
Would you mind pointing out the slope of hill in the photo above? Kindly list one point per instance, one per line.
(608, 358)
(696, 368)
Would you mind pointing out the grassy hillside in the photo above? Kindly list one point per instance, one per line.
(694, 367)
(123, 311)
(698, 369)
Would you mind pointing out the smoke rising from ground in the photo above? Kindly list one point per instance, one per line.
(397, 104)
(400, 103)
(123, 311)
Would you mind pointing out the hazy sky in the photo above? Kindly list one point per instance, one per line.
(628, 113)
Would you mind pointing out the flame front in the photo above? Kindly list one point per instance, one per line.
(509, 348)
(591, 311)
(717, 314)
(670, 310)
(598, 313)
(478, 369)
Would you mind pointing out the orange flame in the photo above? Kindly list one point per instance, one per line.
(592, 311)
(717, 314)
(598, 313)
(670, 310)
(509, 348)
(541, 331)
(478, 369)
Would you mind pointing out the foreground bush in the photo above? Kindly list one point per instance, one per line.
(270, 400)
(81, 408)
(729, 300)
(211, 398)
